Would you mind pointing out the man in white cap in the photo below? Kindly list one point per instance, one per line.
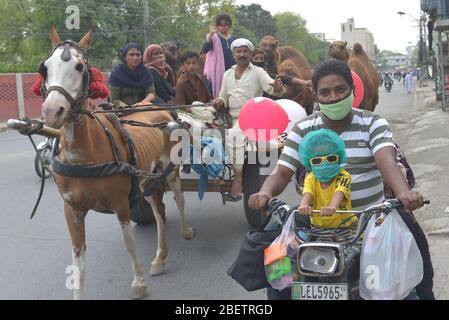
(241, 83)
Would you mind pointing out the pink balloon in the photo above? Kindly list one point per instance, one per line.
(261, 115)
(358, 89)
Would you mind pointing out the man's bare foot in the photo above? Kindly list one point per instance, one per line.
(236, 187)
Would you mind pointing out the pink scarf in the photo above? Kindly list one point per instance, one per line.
(214, 67)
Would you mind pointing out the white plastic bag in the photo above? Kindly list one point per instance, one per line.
(391, 265)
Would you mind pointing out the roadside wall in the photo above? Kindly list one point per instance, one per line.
(16, 98)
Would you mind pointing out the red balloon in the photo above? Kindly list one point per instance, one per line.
(261, 115)
(358, 89)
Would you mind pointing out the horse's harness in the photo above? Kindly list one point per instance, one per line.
(118, 166)
(78, 104)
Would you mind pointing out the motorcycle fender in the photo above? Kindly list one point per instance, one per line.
(42, 145)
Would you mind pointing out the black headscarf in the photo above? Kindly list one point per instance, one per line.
(124, 77)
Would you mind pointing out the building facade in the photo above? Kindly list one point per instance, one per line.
(396, 61)
(411, 55)
(319, 36)
(354, 35)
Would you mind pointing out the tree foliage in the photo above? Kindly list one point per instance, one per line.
(25, 25)
(292, 30)
(255, 18)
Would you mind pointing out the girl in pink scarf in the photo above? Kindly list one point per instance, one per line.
(218, 53)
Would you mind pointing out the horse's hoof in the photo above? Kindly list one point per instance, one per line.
(78, 295)
(156, 269)
(139, 291)
(189, 234)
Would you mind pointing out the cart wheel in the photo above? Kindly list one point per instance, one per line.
(142, 213)
(252, 182)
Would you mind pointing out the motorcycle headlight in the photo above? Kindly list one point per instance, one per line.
(316, 259)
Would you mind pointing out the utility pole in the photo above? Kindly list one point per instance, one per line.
(145, 23)
(422, 61)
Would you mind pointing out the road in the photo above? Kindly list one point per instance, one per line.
(35, 253)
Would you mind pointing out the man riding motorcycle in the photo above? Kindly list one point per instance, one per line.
(371, 158)
(388, 81)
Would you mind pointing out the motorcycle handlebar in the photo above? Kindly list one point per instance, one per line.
(384, 207)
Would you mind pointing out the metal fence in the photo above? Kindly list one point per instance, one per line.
(16, 98)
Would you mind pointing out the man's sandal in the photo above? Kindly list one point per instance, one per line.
(229, 197)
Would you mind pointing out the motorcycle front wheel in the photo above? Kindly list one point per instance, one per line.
(44, 155)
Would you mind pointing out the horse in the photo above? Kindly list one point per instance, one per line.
(287, 60)
(83, 142)
(359, 62)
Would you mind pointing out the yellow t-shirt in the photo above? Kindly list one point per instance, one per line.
(322, 198)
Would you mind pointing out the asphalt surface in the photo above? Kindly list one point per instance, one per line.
(35, 253)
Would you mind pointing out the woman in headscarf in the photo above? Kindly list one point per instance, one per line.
(130, 83)
(164, 80)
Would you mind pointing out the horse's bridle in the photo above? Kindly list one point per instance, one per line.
(76, 106)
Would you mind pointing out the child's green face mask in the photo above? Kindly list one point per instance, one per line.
(326, 171)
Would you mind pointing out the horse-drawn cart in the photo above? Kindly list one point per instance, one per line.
(255, 171)
(253, 178)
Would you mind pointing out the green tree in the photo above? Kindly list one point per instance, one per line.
(112, 23)
(256, 19)
(292, 31)
(25, 25)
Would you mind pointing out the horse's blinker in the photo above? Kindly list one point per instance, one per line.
(66, 55)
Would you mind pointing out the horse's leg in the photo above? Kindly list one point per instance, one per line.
(138, 286)
(155, 200)
(174, 183)
(75, 223)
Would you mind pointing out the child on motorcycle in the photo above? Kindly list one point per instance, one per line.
(327, 186)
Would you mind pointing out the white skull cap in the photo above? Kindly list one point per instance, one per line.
(242, 42)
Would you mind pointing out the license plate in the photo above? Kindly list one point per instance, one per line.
(319, 291)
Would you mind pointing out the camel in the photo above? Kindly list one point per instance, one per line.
(359, 62)
(287, 60)
(173, 54)
(300, 94)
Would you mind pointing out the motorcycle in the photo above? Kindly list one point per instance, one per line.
(388, 84)
(328, 261)
(42, 160)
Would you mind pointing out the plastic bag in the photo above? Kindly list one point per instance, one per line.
(280, 257)
(391, 265)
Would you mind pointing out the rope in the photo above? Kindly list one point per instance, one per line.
(129, 109)
(41, 191)
(142, 124)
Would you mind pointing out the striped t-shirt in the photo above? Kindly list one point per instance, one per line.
(367, 133)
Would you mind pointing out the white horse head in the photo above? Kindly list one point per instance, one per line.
(65, 70)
